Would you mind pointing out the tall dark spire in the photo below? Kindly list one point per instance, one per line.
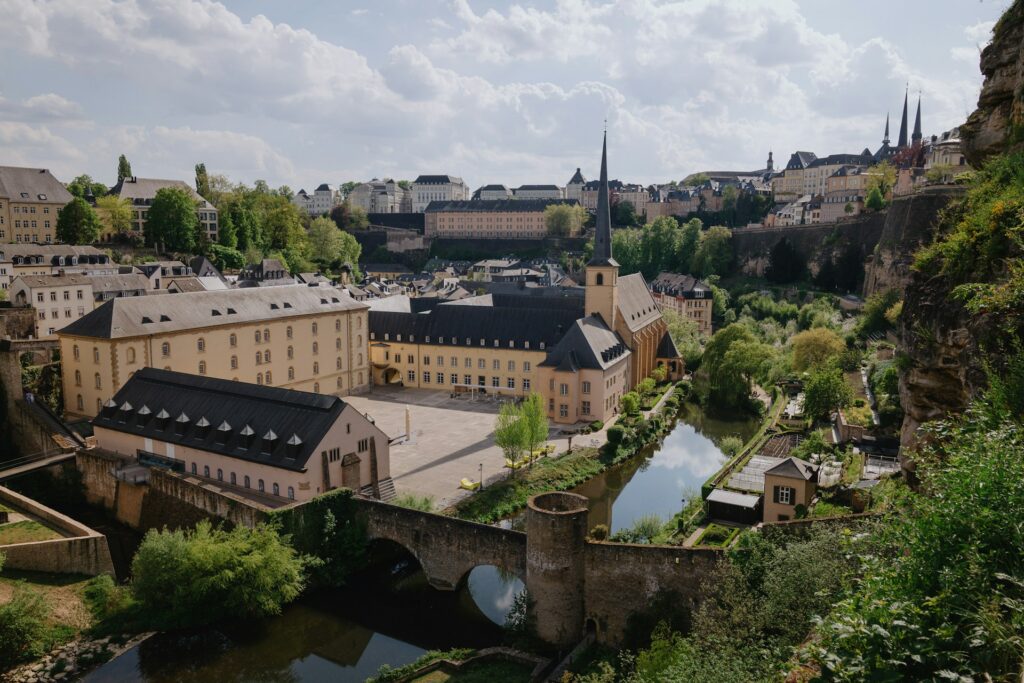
(902, 140)
(603, 234)
(916, 137)
(885, 139)
(771, 162)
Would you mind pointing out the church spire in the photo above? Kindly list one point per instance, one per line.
(902, 140)
(916, 137)
(603, 233)
(885, 139)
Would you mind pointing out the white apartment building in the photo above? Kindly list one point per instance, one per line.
(539, 192)
(437, 188)
(492, 192)
(381, 196)
(324, 198)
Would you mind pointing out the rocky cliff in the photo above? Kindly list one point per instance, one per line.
(997, 125)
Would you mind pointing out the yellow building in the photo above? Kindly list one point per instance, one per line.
(310, 339)
(30, 199)
(509, 219)
(788, 484)
(686, 296)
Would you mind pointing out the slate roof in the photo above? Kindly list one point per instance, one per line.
(135, 188)
(538, 187)
(119, 283)
(667, 347)
(36, 185)
(800, 160)
(324, 187)
(742, 500)
(833, 159)
(577, 178)
(127, 317)
(49, 253)
(636, 305)
(493, 188)
(34, 281)
(588, 344)
(500, 205)
(211, 414)
(385, 268)
(794, 468)
(677, 284)
(189, 284)
(437, 179)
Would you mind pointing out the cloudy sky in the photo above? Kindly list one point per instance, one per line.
(301, 92)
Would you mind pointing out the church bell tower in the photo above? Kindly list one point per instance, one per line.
(602, 271)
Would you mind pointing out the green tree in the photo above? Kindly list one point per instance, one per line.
(785, 263)
(349, 218)
(124, 169)
(815, 347)
(227, 235)
(875, 200)
(184, 578)
(630, 403)
(510, 432)
(624, 214)
(282, 224)
(171, 223)
(348, 186)
(81, 183)
(685, 333)
(826, 391)
(22, 626)
(535, 421)
(627, 245)
(324, 241)
(115, 213)
(732, 359)
(695, 179)
(285, 191)
(659, 243)
(714, 252)
(405, 184)
(203, 182)
(881, 177)
(77, 223)
(872, 318)
(226, 258)
(563, 220)
(689, 237)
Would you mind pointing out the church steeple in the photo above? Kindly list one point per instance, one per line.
(902, 140)
(916, 137)
(603, 232)
(771, 163)
(885, 139)
(602, 272)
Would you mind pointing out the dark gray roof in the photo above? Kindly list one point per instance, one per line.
(119, 283)
(493, 188)
(437, 179)
(577, 178)
(636, 305)
(667, 347)
(385, 268)
(490, 205)
(32, 185)
(833, 159)
(227, 408)
(324, 187)
(588, 344)
(794, 468)
(135, 188)
(538, 187)
(677, 284)
(800, 160)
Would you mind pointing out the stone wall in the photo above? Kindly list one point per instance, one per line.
(17, 322)
(83, 551)
(179, 501)
(625, 578)
(97, 470)
(816, 243)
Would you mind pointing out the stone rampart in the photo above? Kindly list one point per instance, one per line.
(181, 501)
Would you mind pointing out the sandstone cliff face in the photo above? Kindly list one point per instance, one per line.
(997, 125)
(909, 224)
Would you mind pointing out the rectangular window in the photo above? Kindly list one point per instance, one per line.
(511, 382)
(454, 379)
(586, 407)
(412, 377)
(495, 382)
(426, 360)
(526, 385)
(586, 387)
(496, 364)
(563, 389)
(426, 377)
(482, 364)
(468, 363)
(563, 410)
(440, 378)
(467, 379)
(363, 445)
(526, 366)
(784, 495)
(511, 366)
(411, 359)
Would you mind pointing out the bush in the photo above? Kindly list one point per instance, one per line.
(616, 433)
(630, 403)
(414, 502)
(599, 532)
(22, 627)
(596, 426)
(184, 578)
(730, 445)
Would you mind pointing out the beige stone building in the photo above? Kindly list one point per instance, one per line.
(50, 259)
(140, 193)
(30, 199)
(686, 296)
(509, 219)
(59, 300)
(277, 444)
(791, 483)
(438, 188)
(637, 195)
(789, 185)
(844, 187)
(304, 338)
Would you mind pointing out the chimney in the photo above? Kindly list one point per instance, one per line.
(293, 446)
(142, 415)
(181, 423)
(202, 428)
(247, 435)
(223, 432)
(162, 418)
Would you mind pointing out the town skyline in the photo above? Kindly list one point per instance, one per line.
(511, 96)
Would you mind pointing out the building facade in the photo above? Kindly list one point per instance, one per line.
(140, 192)
(787, 485)
(318, 203)
(491, 219)
(437, 188)
(309, 339)
(30, 199)
(686, 296)
(50, 259)
(59, 300)
(492, 192)
(284, 445)
(381, 196)
(574, 188)
(844, 194)
(539, 192)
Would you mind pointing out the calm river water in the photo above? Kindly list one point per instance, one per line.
(391, 616)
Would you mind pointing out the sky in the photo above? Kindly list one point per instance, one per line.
(302, 92)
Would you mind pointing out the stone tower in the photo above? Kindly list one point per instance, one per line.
(601, 297)
(771, 162)
(901, 141)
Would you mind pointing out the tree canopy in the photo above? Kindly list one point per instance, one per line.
(815, 347)
(124, 169)
(80, 184)
(563, 220)
(825, 392)
(329, 246)
(714, 252)
(77, 223)
(785, 263)
(115, 213)
(171, 222)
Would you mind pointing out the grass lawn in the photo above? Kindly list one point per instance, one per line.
(859, 415)
(26, 531)
(717, 536)
(64, 614)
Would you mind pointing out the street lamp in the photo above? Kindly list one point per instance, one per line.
(481, 476)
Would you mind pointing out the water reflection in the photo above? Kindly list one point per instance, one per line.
(494, 591)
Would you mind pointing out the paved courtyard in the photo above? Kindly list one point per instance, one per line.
(450, 439)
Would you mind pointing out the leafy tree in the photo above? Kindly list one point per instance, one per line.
(872, 318)
(785, 263)
(349, 218)
(282, 225)
(848, 208)
(659, 244)
(171, 223)
(348, 186)
(881, 177)
(80, 184)
(261, 187)
(732, 359)
(115, 213)
(689, 237)
(815, 347)
(77, 223)
(183, 578)
(624, 214)
(685, 333)
(285, 191)
(203, 181)
(714, 252)
(124, 169)
(874, 200)
(324, 241)
(226, 257)
(510, 432)
(563, 220)
(695, 179)
(627, 245)
(826, 391)
(405, 184)
(535, 421)
(630, 403)
(730, 445)
(227, 235)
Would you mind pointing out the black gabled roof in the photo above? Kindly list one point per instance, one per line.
(218, 402)
(437, 179)
(97, 323)
(667, 347)
(577, 178)
(864, 158)
(489, 205)
(461, 322)
(588, 344)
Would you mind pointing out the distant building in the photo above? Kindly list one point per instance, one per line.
(789, 185)
(816, 174)
(437, 188)
(269, 272)
(507, 219)
(637, 195)
(30, 199)
(381, 196)
(324, 198)
(140, 193)
(944, 154)
(844, 193)
(284, 445)
(492, 192)
(50, 259)
(574, 188)
(161, 273)
(538, 192)
(384, 271)
(59, 300)
(685, 295)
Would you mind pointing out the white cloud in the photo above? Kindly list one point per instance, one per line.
(980, 33)
(44, 107)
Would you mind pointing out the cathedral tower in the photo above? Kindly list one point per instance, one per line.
(602, 271)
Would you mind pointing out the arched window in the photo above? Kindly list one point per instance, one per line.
(266, 356)
(99, 381)
(316, 368)
(337, 343)
(266, 334)
(194, 471)
(95, 355)
(599, 279)
(315, 328)
(206, 471)
(234, 480)
(257, 336)
(339, 383)
(79, 403)
(337, 325)
(316, 348)
(99, 405)
(291, 493)
(246, 480)
(165, 349)
(360, 378)
(78, 378)
(267, 378)
(288, 332)
(200, 345)
(261, 486)
(316, 387)
(75, 351)
(338, 362)
(259, 378)
(220, 474)
(360, 357)
(202, 367)
(276, 489)
(233, 340)
(234, 362)
(259, 358)
(359, 340)
(131, 355)
(291, 353)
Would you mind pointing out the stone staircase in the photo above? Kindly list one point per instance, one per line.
(387, 490)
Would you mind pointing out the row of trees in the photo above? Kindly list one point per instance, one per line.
(521, 428)
(665, 245)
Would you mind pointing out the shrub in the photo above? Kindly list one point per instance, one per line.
(630, 403)
(730, 445)
(22, 627)
(616, 433)
(414, 502)
(596, 426)
(599, 532)
(183, 578)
